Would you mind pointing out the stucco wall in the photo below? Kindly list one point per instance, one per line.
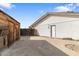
(66, 27)
(43, 30)
(68, 30)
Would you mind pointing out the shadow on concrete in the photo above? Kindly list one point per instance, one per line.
(27, 47)
(45, 49)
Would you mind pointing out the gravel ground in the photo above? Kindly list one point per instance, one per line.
(32, 46)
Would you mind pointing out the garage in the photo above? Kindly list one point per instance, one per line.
(58, 25)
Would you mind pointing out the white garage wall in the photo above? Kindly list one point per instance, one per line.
(68, 30)
(64, 30)
(75, 30)
(57, 19)
(65, 27)
(43, 30)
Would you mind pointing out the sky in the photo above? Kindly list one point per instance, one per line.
(28, 13)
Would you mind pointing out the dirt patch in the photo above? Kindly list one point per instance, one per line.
(73, 47)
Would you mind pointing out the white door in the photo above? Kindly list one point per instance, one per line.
(53, 31)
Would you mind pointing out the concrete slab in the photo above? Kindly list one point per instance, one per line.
(33, 46)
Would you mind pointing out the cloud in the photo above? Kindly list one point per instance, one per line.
(1, 9)
(66, 7)
(6, 5)
(41, 11)
(62, 9)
